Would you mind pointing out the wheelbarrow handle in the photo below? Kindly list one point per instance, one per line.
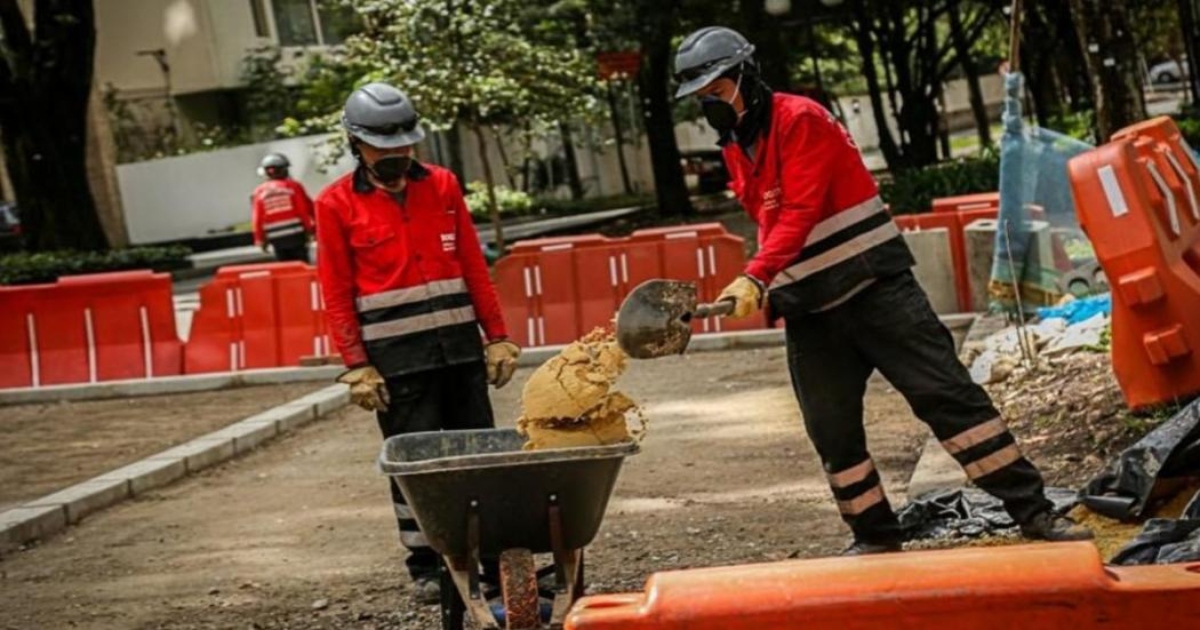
(718, 309)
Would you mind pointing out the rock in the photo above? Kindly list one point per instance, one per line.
(214, 591)
(320, 604)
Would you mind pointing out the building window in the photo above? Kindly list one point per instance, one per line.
(260, 18)
(313, 22)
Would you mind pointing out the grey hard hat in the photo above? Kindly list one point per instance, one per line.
(706, 55)
(382, 116)
(274, 160)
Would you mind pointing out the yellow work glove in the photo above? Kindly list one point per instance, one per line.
(746, 293)
(367, 389)
(501, 361)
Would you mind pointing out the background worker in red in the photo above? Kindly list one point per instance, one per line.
(282, 213)
(407, 293)
(832, 263)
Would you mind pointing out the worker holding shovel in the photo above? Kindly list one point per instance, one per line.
(833, 265)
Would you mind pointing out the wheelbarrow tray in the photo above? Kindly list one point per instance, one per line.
(447, 476)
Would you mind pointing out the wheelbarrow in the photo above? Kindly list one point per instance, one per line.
(478, 494)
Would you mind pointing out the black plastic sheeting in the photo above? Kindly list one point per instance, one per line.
(1124, 488)
(1165, 541)
(966, 513)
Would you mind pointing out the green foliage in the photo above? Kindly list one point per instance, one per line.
(1079, 125)
(913, 191)
(1190, 128)
(563, 207)
(42, 267)
(512, 203)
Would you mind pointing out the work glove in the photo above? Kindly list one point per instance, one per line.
(746, 293)
(501, 358)
(367, 389)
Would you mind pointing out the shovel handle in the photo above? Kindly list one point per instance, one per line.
(719, 309)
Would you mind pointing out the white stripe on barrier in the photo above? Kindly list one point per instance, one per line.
(314, 296)
(229, 307)
(712, 260)
(678, 235)
(241, 354)
(91, 344)
(528, 284)
(254, 274)
(147, 343)
(624, 268)
(35, 364)
(529, 330)
(558, 248)
(237, 296)
(1187, 181)
(1168, 196)
(612, 270)
(541, 330)
(233, 366)
(537, 279)
(700, 262)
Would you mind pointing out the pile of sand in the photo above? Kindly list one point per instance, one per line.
(571, 400)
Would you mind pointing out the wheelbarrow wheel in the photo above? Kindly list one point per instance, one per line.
(519, 589)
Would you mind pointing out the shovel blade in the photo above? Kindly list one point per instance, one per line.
(655, 319)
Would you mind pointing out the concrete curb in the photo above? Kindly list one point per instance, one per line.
(166, 385)
(43, 517)
(936, 469)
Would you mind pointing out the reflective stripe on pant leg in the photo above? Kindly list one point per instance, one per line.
(990, 456)
(857, 488)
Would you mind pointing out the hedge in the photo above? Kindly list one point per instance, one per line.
(44, 267)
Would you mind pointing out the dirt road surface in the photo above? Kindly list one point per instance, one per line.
(50, 446)
(300, 534)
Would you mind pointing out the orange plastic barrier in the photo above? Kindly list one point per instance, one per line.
(554, 290)
(1136, 198)
(87, 329)
(257, 316)
(1036, 586)
(954, 214)
(968, 203)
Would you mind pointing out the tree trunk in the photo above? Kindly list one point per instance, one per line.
(618, 131)
(983, 124)
(763, 29)
(573, 180)
(1111, 54)
(866, 49)
(490, 181)
(45, 88)
(657, 28)
(504, 161)
(454, 145)
(1187, 21)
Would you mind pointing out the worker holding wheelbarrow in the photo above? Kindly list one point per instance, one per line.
(833, 265)
(407, 293)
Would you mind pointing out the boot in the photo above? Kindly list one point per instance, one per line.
(866, 548)
(1047, 526)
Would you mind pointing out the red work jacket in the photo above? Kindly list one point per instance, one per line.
(280, 208)
(406, 285)
(822, 229)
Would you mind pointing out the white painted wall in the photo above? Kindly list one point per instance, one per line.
(193, 195)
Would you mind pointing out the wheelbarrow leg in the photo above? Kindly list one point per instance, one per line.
(568, 569)
(452, 602)
(464, 573)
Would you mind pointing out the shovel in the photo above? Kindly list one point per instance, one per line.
(655, 319)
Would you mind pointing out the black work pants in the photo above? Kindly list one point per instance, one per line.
(448, 398)
(891, 327)
(290, 251)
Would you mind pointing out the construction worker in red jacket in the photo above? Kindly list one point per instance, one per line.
(282, 213)
(407, 293)
(834, 266)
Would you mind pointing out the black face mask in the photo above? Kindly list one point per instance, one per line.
(390, 170)
(720, 115)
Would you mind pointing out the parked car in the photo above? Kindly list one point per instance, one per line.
(1168, 72)
(10, 227)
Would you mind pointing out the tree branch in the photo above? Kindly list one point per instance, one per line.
(18, 42)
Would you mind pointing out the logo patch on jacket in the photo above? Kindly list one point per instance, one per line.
(772, 198)
(449, 242)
